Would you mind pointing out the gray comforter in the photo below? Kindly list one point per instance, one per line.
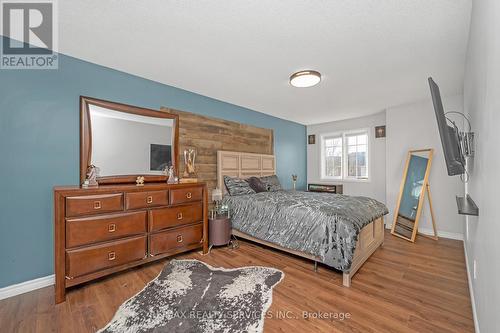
(322, 224)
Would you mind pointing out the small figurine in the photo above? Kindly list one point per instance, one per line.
(171, 175)
(92, 174)
(294, 180)
(139, 181)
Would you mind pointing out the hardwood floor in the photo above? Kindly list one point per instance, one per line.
(403, 287)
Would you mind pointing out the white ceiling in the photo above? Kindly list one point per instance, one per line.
(372, 53)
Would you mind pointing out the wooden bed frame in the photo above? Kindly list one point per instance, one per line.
(244, 165)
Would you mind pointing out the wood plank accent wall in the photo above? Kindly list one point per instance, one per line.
(208, 135)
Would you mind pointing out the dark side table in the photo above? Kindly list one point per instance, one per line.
(219, 231)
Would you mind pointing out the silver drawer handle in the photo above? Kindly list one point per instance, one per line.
(111, 256)
(112, 227)
(149, 199)
(97, 205)
(189, 195)
(179, 239)
(179, 216)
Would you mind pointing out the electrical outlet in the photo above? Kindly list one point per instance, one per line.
(474, 269)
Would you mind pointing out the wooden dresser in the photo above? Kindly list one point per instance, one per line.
(103, 230)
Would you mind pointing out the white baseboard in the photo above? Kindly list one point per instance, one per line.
(443, 234)
(471, 291)
(27, 286)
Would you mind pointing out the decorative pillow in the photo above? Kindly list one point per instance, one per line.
(272, 183)
(237, 186)
(256, 184)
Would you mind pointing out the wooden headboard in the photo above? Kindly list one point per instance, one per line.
(243, 165)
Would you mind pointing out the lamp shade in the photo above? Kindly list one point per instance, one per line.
(216, 194)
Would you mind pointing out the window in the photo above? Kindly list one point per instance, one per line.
(357, 155)
(345, 155)
(333, 156)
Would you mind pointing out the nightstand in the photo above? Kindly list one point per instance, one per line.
(219, 230)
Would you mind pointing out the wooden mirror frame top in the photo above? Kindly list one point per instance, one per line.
(86, 139)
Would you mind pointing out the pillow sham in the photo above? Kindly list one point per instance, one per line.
(237, 186)
(256, 184)
(272, 183)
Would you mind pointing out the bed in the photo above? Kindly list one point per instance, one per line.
(338, 230)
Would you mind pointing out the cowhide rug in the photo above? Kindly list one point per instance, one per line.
(191, 296)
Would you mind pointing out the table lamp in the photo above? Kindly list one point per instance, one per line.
(216, 198)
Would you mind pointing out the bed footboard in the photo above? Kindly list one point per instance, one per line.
(370, 238)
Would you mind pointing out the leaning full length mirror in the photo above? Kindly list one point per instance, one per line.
(414, 188)
(124, 142)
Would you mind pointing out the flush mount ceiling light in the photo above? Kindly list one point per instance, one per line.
(304, 79)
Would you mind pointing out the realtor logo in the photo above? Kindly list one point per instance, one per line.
(30, 28)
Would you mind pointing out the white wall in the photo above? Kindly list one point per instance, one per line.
(414, 126)
(482, 103)
(375, 187)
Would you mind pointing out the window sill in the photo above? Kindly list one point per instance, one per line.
(343, 180)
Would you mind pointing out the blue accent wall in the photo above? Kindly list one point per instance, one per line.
(39, 147)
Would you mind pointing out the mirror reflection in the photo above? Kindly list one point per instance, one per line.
(129, 144)
(413, 188)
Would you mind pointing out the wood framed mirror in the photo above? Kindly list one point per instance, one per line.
(125, 142)
(414, 186)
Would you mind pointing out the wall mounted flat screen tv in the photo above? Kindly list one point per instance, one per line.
(449, 135)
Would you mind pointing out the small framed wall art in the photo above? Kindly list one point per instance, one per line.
(311, 139)
(380, 131)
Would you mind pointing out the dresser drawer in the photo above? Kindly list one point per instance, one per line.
(88, 230)
(170, 240)
(183, 195)
(137, 200)
(94, 204)
(174, 216)
(94, 258)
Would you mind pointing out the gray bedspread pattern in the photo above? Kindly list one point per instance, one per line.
(322, 224)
